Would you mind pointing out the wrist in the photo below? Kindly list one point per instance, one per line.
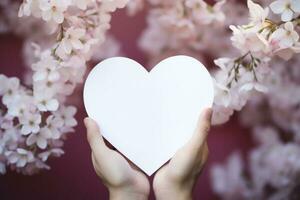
(173, 192)
(174, 195)
(126, 194)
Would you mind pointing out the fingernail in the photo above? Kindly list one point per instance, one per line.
(86, 121)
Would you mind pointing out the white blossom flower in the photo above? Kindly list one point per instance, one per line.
(228, 180)
(6, 121)
(75, 61)
(67, 115)
(248, 40)
(258, 14)
(9, 89)
(10, 139)
(266, 136)
(40, 138)
(30, 123)
(286, 8)
(222, 94)
(20, 157)
(205, 13)
(134, 6)
(29, 7)
(52, 126)
(25, 8)
(277, 165)
(54, 9)
(111, 6)
(221, 114)
(82, 4)
(45, 101)
(253, 85)
(46, 68)
(284, 37)
(55, 75)
(21, 104)
(56, 152)
(73, 39)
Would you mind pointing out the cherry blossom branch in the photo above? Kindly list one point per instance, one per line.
(36, 119)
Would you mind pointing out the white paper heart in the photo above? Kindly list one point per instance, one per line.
(148, 116)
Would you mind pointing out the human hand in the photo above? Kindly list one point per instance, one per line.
(175, 180)
(123, 180)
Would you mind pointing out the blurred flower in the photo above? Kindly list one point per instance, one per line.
(54, 9)
(56, 152)
(286, 8)
(228, 180)
(82, 4)
(285, 37)
(20, 157)
(9, 89)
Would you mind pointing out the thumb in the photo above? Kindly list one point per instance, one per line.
(202, 128)
(94, 136)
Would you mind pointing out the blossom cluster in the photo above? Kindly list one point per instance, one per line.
(273, 116)
(182, 27)
(259, 41)
(274, 163)
(35, 117)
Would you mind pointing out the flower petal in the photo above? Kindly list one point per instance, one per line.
(278, 6)
(287, 15)
(41, 142)
(295, 5)
(58, 17)
(31, 139)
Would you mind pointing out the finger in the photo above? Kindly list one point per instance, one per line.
(205, 153)
(202, 128)
(93, 135)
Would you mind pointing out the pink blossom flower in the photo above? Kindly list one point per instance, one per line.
(221, 114)
(285, 37)
(228, 180)
(46, 68)
(248, 40)
(54, 9)
(64, 43)
(73, 38)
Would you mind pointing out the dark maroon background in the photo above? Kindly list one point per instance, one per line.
(72, 175)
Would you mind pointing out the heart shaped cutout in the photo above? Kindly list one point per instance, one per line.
(148, 116)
